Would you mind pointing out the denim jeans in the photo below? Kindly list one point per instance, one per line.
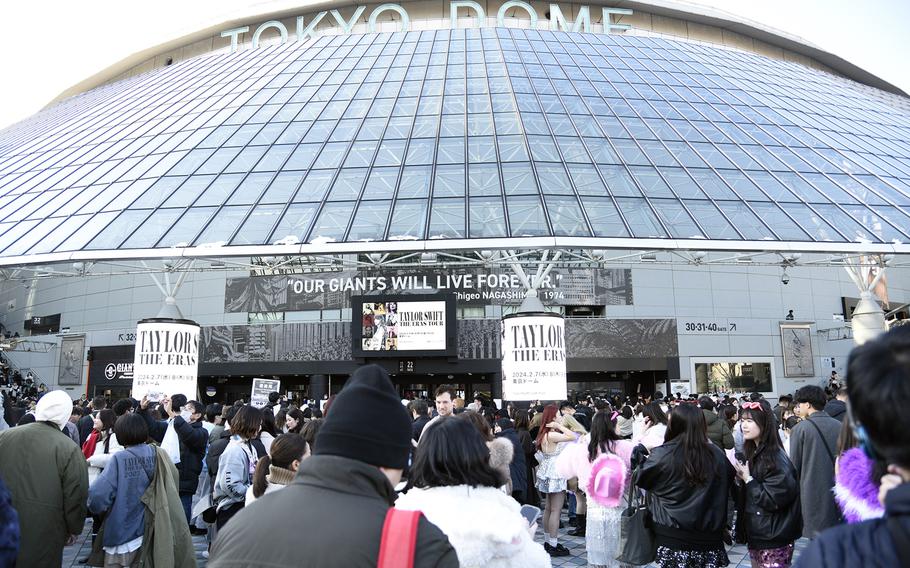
(187, 500)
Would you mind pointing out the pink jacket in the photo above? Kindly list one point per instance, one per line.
(573, 461)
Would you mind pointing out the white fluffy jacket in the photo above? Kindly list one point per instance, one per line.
(99, 459)
(484, 525)
(501, 453)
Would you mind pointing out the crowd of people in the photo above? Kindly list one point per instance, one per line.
(18, 395)
(379, 480)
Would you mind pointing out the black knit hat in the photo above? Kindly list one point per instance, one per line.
(367, 423)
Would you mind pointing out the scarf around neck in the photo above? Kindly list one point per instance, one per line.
(88, 448)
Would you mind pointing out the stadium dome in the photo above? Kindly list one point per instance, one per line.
(361, 140)
(710, 204)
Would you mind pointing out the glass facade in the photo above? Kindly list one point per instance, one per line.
(460, 134)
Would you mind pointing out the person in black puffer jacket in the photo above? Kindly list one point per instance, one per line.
(688, 479)
(771, 515)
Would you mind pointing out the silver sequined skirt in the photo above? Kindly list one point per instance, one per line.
(602, 535)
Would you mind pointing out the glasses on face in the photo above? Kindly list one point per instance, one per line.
(752, 405)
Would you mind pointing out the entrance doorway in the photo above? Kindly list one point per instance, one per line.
(616, 383)
(113, 394)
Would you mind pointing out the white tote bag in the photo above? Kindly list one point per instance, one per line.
(171, 443)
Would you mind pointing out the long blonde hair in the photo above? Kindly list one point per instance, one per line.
(574, 425)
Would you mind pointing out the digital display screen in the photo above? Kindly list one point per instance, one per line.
(403, 324)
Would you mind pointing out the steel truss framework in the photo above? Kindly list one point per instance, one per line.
(529, 254)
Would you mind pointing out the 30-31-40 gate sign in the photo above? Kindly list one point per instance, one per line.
(558, 20)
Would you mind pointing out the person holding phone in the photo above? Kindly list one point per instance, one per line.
(772, 520)
(654, 426)
(551, 440)
(452, 482)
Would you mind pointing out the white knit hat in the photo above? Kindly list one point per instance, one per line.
(55, 406)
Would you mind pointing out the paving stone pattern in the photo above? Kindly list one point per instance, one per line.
(739, 557)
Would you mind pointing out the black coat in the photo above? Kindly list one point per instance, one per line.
(347, 502)
(772, 507)
(518, 466)
(531, 496)
(686, 516)
(582, 416)
(85, 425)
(836, 409)
(868, 544)
(193, 440)
(418, 425)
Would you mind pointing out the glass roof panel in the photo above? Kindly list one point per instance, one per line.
(746, 222)
(332, 222)
(640, 218)
(223, 225)
(566, 216)
(488, 218)
(86, 232)
(187, 227)
(34, 235)
(604, 217)
(714, 224)
(116, 232)
(371, 218)
(409, 218)
(676, 219)
(518, 132)
(258, 225)
(295, 222)
(447, 218)
(527, 217)
(783, 225)
(518, 178)
(147, 234)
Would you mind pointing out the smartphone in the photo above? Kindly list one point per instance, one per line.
(530, 513)
(740, 457)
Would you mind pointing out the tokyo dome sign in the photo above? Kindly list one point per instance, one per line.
(308, 29)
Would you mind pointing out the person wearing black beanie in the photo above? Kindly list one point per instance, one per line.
(368, 423)
(346, 488)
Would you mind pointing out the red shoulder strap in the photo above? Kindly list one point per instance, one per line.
(399, 537)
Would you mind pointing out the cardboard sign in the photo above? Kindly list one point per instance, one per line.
(261, 389)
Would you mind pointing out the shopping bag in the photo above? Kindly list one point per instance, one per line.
(202, 499)
(171, 443)
(637, 542)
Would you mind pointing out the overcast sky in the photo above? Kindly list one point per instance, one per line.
(50, 45)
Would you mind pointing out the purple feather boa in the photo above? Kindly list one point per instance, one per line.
(855, 492)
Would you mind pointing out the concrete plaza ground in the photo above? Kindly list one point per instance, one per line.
(739, 556)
